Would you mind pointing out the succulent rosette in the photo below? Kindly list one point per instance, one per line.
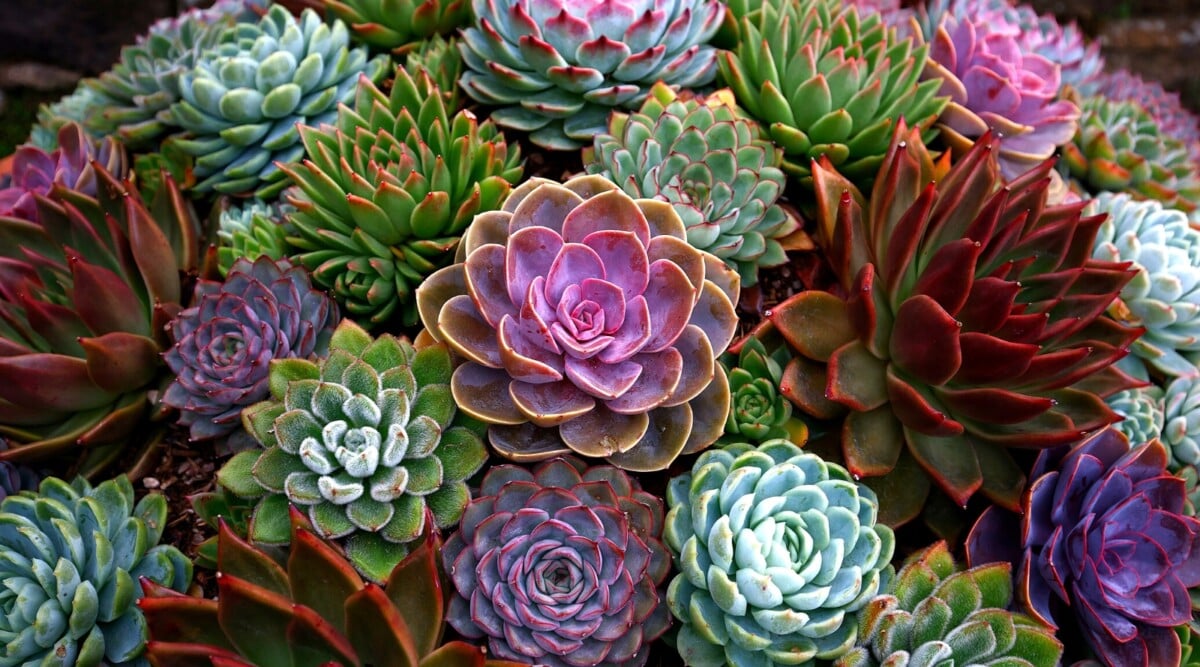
(934, 613)
(1164, 296)
(1166, 108)
(757, 410)
(442, 60)
(557, 68)
(15, 478)
(386, 193)
(996, 85)
(1141, 412)
(710, 163)
(588, 324)
(1101, 530)
(241, 101)
(364, 441)
(70, 555)
(71, 108)
(252, 230)
(826, 79)
(1181, 422)
(224, 343)
(560, 566)
(35, 171)
(778, 551)
(1120, 147)
(396, 24)
(973, 323)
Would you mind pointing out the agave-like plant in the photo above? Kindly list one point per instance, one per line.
(85, 297)
(973, 323)
(310, 608)
(387, 192)
(397, 25)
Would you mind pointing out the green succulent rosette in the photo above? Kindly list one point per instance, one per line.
(73, 108)
(709, 162)
(252, 230)
(241, 102)
(1181, 422)
(368, 442)
(441, 59)
(395, 25)
(778, 551)
(936, 615)
(1141, 412)
(70, 558)
(757, 411)
(827, 80)
(387, 192)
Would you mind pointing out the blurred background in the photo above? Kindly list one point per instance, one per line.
(47, 45)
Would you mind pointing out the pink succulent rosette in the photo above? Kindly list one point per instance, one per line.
(588, 324)
(995, 84)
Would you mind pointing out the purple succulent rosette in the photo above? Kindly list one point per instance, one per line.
(995, 84)
(1103, 531)
(225, 342)
(34, 171)
(560, 566)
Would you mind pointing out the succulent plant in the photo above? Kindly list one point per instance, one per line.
(70, 555)
(995, 85)
(588, 325)
(85, 297)
(1189, 641)
(827, 80)
(557, 68)
(442, 60)
(1164, 296)
(15, 478)
(974, 325)
(72, 108)
(363, 441)
(35, 171)
(1181, 422)
(560, 566)
(1166, 108)
(220, 508)
(396, 24)
(777, 550)
(386, 194)
(224, 343)
(757, 410)
(710, 163)
(1101, 531)
(1141, 412)
(242, 100)
(1121, 148)
(309, 608)
(255, 229)
(936, 614)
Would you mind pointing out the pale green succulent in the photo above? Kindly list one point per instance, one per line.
(1164, 296)
(1181, 427)
(252, 231)
(71, 556)
(367, 442)
(778, 552)
(441, 59)
(1141, 409)
(73, 108)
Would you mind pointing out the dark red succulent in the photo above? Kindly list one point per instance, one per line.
(972, 323)
(1102, 530)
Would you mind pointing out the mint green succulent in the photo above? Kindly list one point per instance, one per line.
(242, 101)
(778, 552)
(71, 556)
(710, 162)
(1141, 410)
(73, 108)
(367, 442)
(441, 59)
(757, 410)
(1181, 427)
(251, 231)
(1164, 296)
(938, 616)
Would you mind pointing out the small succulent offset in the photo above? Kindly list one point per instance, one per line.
(1164, 296)
(364, 441)
(935, 614)
(778, 551)
(556, 68)
(35, 171)
(710, 163)
(974, 324)
(1166, 108)
(308, 609)
(442, 60)
(1141, 410)
(255, 229)
(588, 324)
(71, 108)
(1102, 531)
(242, 100)
(226, 340)
(996, 85)
(825, 79)
(560, 566)
(1181, 422)
(395, 25)
(386, 193)
(757, 410)
(85, 298)
(70, 557)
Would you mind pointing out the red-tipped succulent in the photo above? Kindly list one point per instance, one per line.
(971, 323)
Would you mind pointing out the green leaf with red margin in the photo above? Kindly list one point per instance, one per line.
(870, 312)
(170, 654)
(240, 560)
(177, 618)
(925, 341)
(949, 275)
(104, 301)
(320, 578)
(915, 409)
(313, 640)
(415, 587)
(459, 654)
(872, 442)
(857, 378)
(378, 631)
(992, 404)
(119, 362)
(1003, 479)
(949, 460)
(901, 493)
(50, 382)
(815, 323)
(804, 383)
(255, 620)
